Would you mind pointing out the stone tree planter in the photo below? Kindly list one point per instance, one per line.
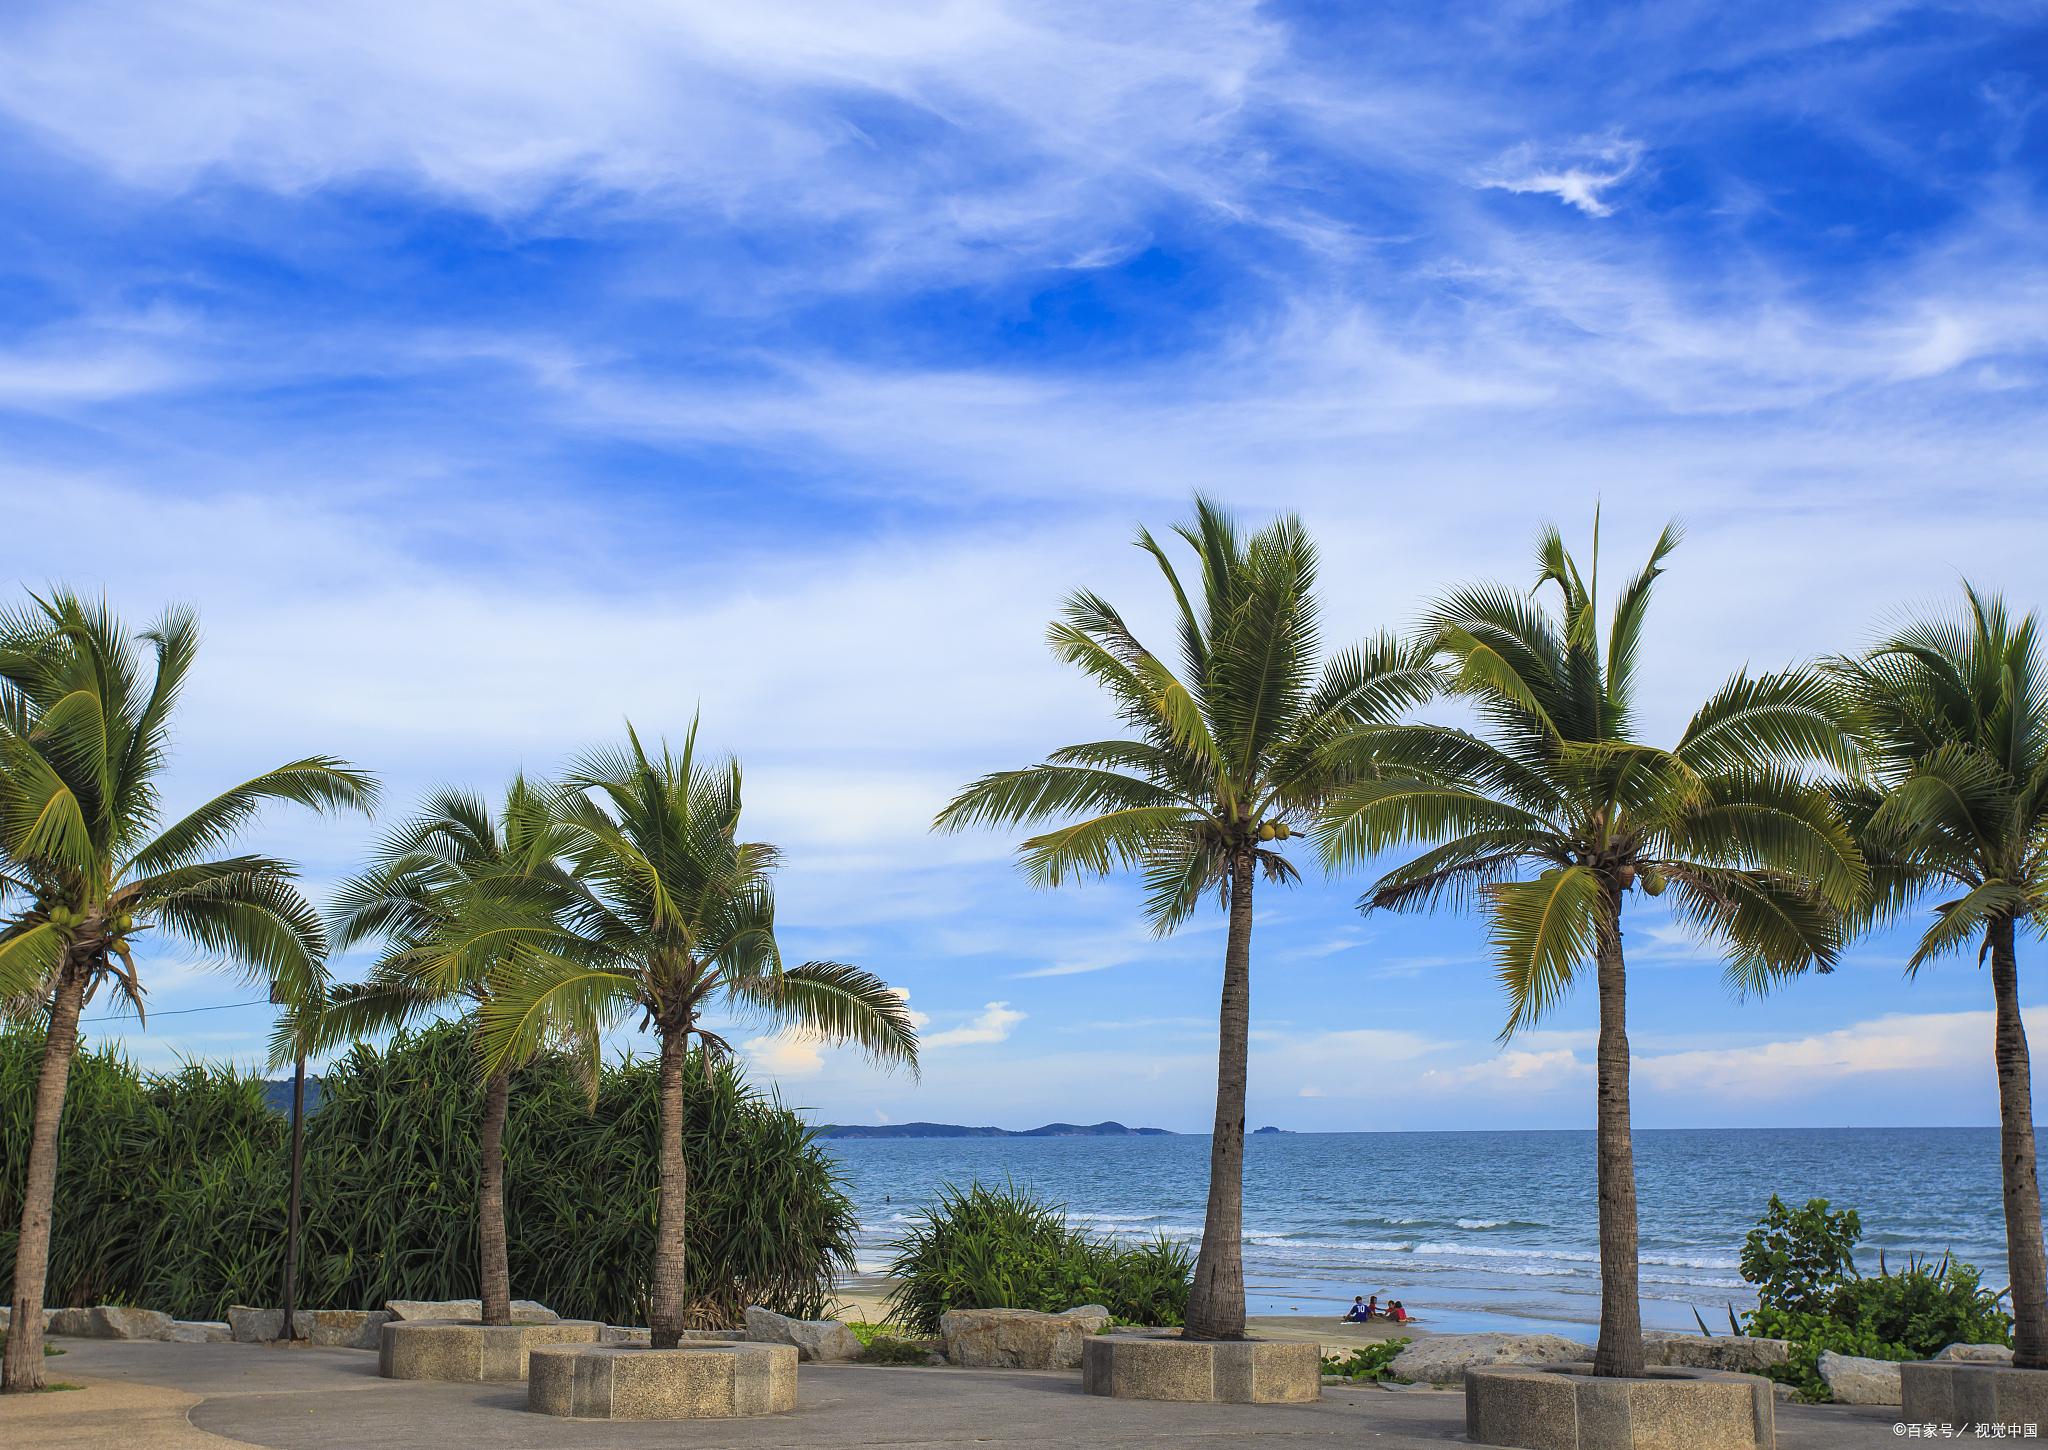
(1207, 1371)
(1567, 1407)
(1956, 1392)
(706, 1380)
(469, 1352)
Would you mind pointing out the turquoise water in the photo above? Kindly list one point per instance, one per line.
(1477, 1230)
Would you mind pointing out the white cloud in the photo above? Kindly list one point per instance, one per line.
(1528, 1072)
(993, 1025)
(917, 1019)
(1895, 1045)
(789, 1053)
(1310, 1090)
(1575, 175)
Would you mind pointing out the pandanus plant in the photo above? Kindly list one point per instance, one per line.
(90, 867)
(1554, 813)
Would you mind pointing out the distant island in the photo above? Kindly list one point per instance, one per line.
(954, 1130)
(1257, 1131)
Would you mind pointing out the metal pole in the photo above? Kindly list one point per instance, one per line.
(291, 1251)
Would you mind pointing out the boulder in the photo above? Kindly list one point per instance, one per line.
(7, 1317)
(821, 1341)
(1739, 1354)
(108, 1321)
(254, 1326)
(341, 1328)
(1977, 1353)
(1443, 1358)
(524, 1311)
(1019, 1338)
(325, 1328)
(202, 1331)
(1855, 1381)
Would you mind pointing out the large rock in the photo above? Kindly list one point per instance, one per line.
(524, 1311)
(108, 1321)
(1977, 1353)
(821, 1341)
(7, 1317)
(1855, 1381)
(1738, 1354)
(1443, 1358)
(202, 1331)
(325, 1328)
(254, 1326)
(1019, 1338)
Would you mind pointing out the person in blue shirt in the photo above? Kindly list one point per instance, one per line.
(1359, 1310)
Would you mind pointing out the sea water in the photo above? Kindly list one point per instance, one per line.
(1475, 1230)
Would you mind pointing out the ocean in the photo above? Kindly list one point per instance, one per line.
(1476, 1230)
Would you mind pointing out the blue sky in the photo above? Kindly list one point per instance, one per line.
(489, 374)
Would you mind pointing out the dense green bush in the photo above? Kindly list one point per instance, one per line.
(1795, 1257)
(1808, 1291)
(988, 1248)
(172, 1189)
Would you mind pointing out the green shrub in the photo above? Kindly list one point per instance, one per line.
(172, 1189)
(987, 1248)
(1373, 1362)
(1795, 1259)
(887, 1349)
(1808, 1292)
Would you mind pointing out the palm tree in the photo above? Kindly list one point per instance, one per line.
(1956, 719)
(427, 881)
(673, 915)
(83, 742)
(1242, 749)
(1727, 821)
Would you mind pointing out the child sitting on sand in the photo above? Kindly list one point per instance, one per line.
(1358, 1311)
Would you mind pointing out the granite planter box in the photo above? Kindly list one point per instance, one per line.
(705, 1380)
(466, 1352)
(1956, 1392)
(1211, 1371)
(1567, 1407)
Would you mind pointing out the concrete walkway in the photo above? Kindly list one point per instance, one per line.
(143, 1396)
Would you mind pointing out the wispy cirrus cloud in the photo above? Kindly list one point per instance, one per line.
(1576, 174)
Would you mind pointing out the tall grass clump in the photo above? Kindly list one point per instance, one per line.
(1003, 1248)
(172, 1188)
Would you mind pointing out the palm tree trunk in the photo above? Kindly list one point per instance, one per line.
(670, 1290)
(1620, 1351)
(2024, 1258)
(23, 1369)
(1216, 1301)
(495, 1271)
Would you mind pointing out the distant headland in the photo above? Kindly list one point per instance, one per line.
(954, 1130)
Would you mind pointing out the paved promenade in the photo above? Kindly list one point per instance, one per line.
(154, 1396)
